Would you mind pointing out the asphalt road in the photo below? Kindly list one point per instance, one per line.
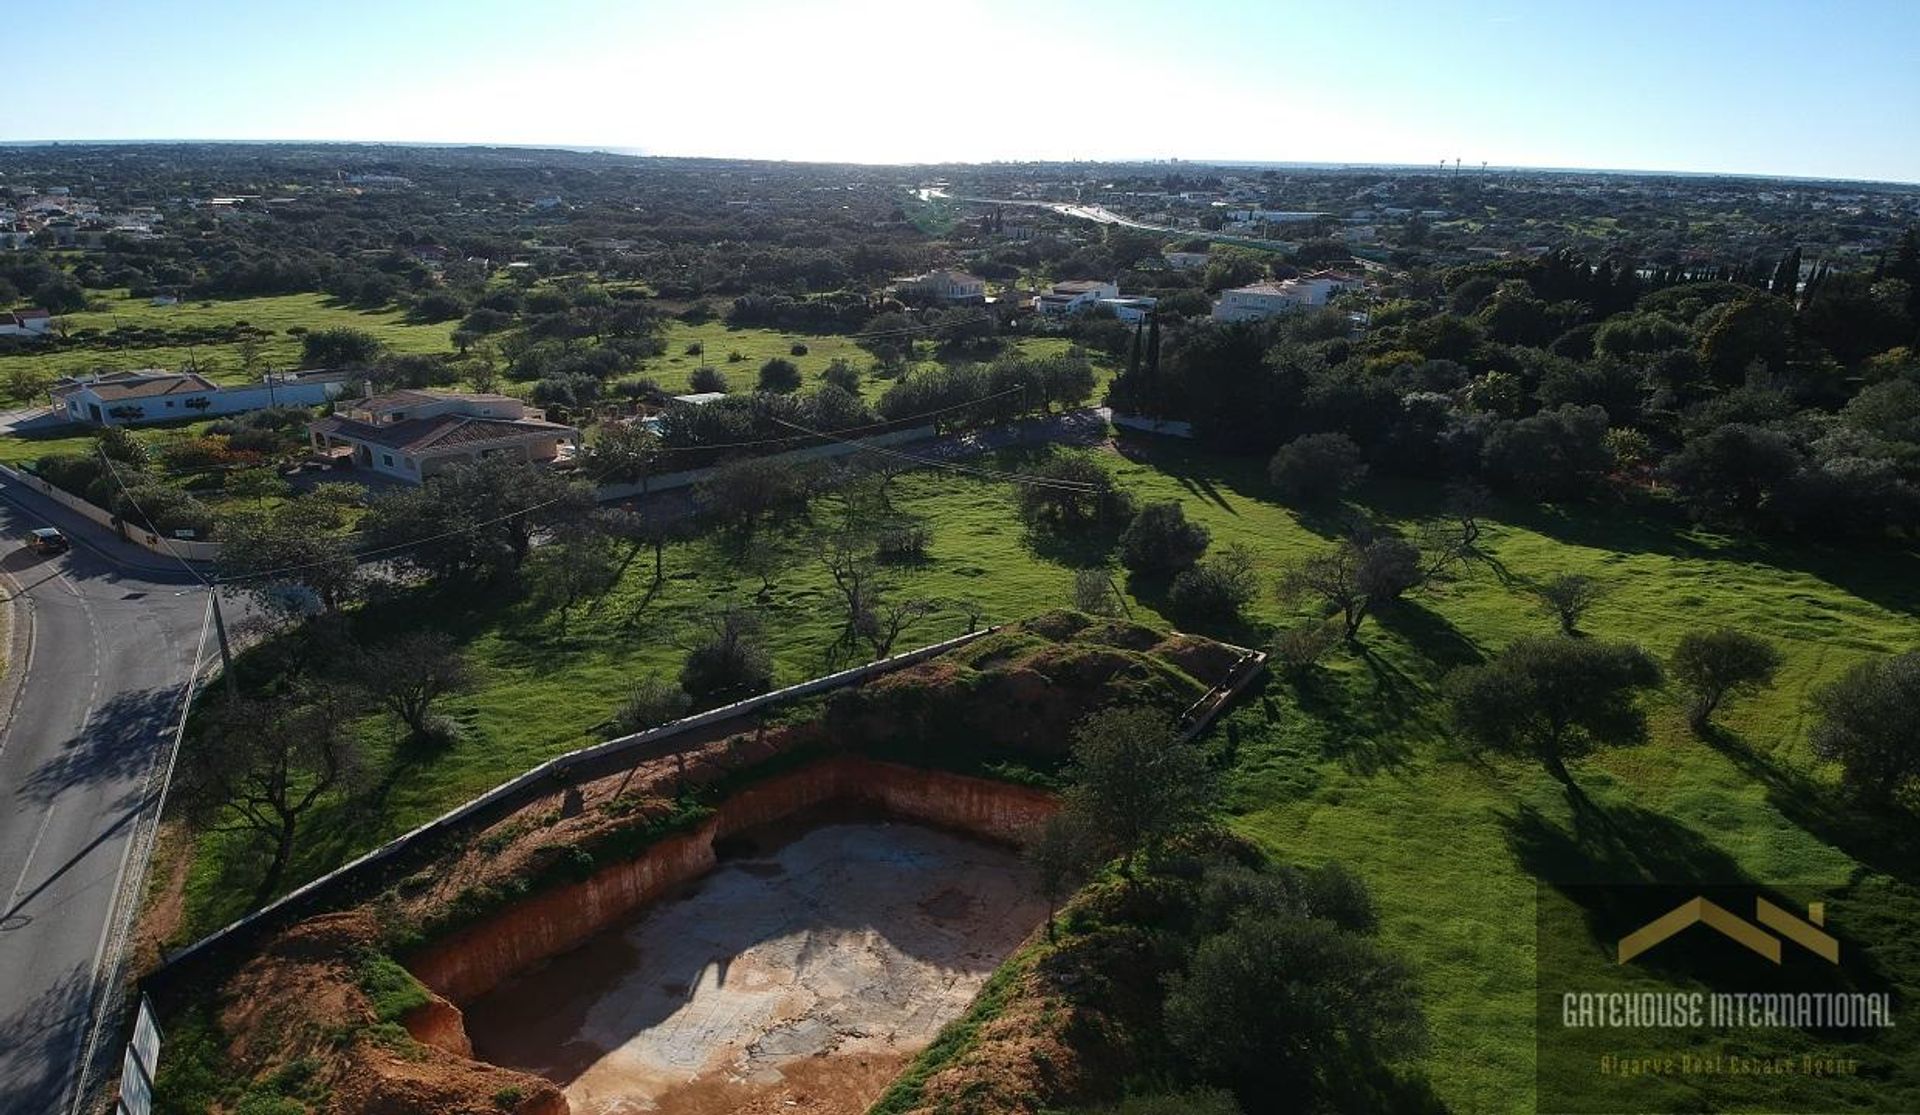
(113, 638)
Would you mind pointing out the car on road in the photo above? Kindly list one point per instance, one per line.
(47, 540)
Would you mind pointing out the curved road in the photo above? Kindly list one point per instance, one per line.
(83, 741)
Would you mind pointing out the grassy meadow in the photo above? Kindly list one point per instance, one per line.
(719, 341)
(1355, 763)
(221, 362)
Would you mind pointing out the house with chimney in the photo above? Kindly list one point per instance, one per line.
(411, 435)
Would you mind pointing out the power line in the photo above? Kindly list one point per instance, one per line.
(1028, 479)
(125, 491)
(363, 554)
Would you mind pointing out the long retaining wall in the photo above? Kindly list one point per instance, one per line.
(472, 961)
(365, 875)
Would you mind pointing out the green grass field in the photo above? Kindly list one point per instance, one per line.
(719, 341)
(1354, 764)
(221, 362)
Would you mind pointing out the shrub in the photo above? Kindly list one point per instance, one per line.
(1161, 540)
(730, 662)
(903, 541)
(1714, 665)
(1866, 723)
(1217, 588)
(736, 356)
(1298, 647)
(780, 376)
(707, 379)
(798, 349)
(843, 375)
(1076, 494)
(1568, 596)
(696, 348)
(1093, 593)
(654, 702)
(1316, 468)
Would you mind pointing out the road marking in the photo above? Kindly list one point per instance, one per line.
(32, 849)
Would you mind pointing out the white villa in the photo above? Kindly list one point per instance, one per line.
(1259, 301)
(1075, 295)
(943, 286)
(25, 323)
(410, 435)
(154, 395)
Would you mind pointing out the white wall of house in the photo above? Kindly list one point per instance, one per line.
(175, 408)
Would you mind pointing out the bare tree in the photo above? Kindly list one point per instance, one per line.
(580, 563)
(1062, 853)
(1094, 594)
(259, 767)
(408, 674)
(1568, 596)
(890, 620)
(1356, 579)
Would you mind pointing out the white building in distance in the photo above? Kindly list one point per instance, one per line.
(1259, 301)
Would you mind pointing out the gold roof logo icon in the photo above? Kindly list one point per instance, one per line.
(1699, 911)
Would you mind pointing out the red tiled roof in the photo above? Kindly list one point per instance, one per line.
(416, 435)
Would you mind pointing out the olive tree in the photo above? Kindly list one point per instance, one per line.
(1554, 698)
(1866, 724)
(1715, 665)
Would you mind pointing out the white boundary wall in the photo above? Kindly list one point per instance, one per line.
(543, 778)
(667, 482)
(166, 547)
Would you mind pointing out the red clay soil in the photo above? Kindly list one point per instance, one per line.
(297, 996)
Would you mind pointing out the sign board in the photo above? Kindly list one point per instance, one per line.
(146, 1036)
(141, 1061)
(184, 532)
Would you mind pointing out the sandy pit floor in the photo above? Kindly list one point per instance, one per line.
(799, 976)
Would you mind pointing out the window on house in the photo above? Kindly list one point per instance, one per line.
(386, 459)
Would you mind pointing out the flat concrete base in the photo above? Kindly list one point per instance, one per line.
(801, 976)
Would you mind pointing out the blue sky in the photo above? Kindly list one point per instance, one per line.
(1816, 89)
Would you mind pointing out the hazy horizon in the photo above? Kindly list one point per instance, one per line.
(1765, 89)
(1169, 161)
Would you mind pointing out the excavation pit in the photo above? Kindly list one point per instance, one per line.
(800, 974)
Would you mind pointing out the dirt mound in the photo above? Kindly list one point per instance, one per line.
(1021, 689)
(299, 1003)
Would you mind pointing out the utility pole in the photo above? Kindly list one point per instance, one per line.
(226, 651)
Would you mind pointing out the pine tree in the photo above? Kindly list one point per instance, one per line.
(1786, 276)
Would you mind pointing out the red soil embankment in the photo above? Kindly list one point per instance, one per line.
(474, 960)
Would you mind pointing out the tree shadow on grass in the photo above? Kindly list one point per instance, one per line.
(1616, 842)
(1881, 574)
(1886, 840)
(1361, 731)
(1428, 632)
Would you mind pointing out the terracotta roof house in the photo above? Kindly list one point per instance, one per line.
(156, 395)
(943, 286)
(411, 435)
(25, 323)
